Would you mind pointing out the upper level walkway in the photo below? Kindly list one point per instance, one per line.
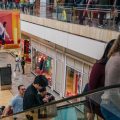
(96, 22)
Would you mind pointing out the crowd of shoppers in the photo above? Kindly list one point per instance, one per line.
(100, 13)
(24, 5)
(82, 11)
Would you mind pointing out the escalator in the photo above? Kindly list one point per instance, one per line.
(75, 107)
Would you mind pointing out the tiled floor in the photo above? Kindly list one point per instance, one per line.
(17, 77)
(4, 97)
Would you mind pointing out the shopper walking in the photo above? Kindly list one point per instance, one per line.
(22, 65)
(17, 60)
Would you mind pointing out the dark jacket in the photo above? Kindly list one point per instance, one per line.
(31, 98)
(22, 62)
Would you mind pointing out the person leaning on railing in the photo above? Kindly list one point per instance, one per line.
(118, 17)
(31, 5)
(4, 4)
(81, 6)
(17, 4)
(1, 4)
(103, 4)
(31, 95)
(22, 2)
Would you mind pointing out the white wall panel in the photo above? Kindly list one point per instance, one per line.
(43, 49)
(51, 52)
(70, 61)
(59, 56)
(86, 46)
(78, 65)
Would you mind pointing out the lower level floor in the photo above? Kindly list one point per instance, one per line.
(17, 78)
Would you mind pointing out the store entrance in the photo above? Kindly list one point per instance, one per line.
(73, 82)
(42, 64)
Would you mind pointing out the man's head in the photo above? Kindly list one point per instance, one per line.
(40, 82)
(21, 89)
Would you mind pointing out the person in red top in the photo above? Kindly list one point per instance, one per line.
(97, 79)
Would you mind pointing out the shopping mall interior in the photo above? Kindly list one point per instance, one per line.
(74, 44)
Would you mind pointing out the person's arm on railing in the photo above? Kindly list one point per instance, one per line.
(6, 110)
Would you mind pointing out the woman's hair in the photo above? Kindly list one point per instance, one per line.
(104, 58)
(115, 48)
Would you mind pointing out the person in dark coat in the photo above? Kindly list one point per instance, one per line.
(118, 8)
(22, 65)
(97, 79)
(31, 95)
(44, 97)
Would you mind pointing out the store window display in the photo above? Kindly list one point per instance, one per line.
(26, 49)
(33, 59)
(42, 64)
(73, 82)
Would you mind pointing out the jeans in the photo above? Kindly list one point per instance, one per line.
(17, 66)
(110, 111)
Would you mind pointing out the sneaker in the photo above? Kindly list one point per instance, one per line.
(100, 26)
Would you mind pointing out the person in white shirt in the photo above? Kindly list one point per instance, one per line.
(3, 32)
(17, 60)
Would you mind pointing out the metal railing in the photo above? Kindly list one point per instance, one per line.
(106, 17)
(94, 95)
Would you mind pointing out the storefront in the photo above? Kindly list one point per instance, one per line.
(73, 82)
(77, 75)
(67, 75)
(42, 64)
(26, 47)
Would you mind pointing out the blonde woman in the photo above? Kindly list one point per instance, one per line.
(110, 105)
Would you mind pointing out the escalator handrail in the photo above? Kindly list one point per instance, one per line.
(71, 104)
(70, 98)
